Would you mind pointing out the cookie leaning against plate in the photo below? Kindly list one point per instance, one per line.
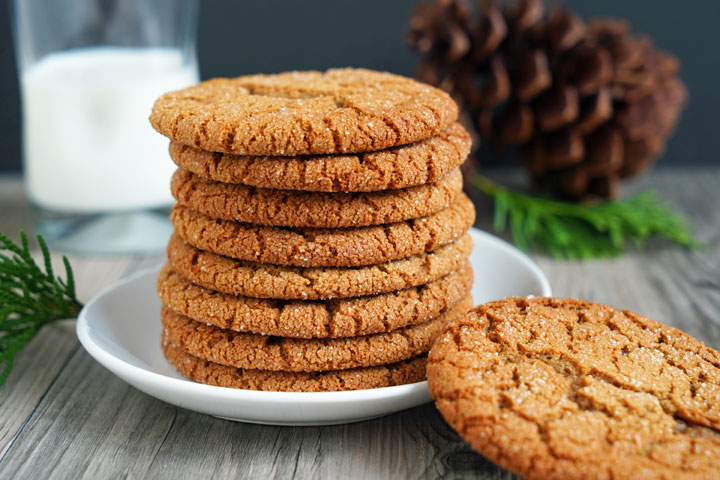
(294, 208)
(347, 317)
(300, 113)
(262, 280)
(265, 352)
(331, 247)
(203, 371)
(422, 162)
(552, 388)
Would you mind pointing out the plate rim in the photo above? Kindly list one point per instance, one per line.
(102, 356)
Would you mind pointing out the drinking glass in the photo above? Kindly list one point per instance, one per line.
(95, 171)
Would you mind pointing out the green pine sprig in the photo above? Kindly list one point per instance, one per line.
(583, 231)
(29, 297)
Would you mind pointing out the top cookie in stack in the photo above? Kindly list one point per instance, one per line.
(320, 231)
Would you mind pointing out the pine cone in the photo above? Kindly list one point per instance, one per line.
(585, 104)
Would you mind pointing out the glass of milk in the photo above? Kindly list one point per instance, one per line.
(96, 172)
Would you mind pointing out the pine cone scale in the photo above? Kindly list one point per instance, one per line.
(533, 76)
(558, 108)
(596, 110)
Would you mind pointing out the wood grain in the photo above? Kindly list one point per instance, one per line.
(63, 415)
(37, 366)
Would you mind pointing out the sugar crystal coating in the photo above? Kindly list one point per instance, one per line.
(294, 208)
(260, 280)
(314, 319)
(300, 113)
(204, 371)
(553, 388)
(265, 352)
(330, 247)
(422, 162)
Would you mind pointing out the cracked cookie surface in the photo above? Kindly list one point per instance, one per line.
(293, 208)
(298, 113)
(265, 352)
(314, 319)
(552, 388)
(336, 247)
(203, 371)
(262, 280)
(419, 163)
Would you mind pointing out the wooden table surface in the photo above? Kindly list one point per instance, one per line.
(62, 415)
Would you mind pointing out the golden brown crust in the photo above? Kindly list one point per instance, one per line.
(419, 163)
(305, 319)
(552, 388)
(294, 208)
(298, 113)
(261, 280)
(335, 247)
(265, 352)
(203, 371)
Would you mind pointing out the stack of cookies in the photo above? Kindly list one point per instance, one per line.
(320, 229)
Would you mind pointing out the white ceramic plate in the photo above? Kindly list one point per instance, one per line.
(121, 329)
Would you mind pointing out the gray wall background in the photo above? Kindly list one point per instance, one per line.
(250, 36)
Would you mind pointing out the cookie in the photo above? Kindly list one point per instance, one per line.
(552, 388)
(292, 208)
(261, 280)
(422, 162)
(203, 371)
(307, 319)
(300, 113)
(265, 352)
(333, 247)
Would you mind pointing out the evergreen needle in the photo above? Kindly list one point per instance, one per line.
(583, 231)
(30, 297)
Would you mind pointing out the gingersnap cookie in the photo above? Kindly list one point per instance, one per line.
(265, 352)
(204, 371)
(422, 162)
(300, 113)
(293, 208)
(347, 317)
(552, 388)
(331, 247)
(262, 280)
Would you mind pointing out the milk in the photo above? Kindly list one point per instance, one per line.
(88, 144)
